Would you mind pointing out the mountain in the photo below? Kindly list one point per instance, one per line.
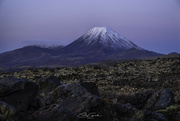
(98, 44)
(100, 38)
(173, 53)
(102, 43)
(27, 56)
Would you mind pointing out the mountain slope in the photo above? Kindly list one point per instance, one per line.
(30, 56)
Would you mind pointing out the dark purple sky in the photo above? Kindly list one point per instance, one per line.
(151, 24)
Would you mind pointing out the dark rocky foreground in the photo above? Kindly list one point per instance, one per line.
(139, 90)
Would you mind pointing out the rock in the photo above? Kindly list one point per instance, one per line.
(178, 102)
(172, 112)
(76, 98)
(5, 90)
(47, 84)
(153, 116)
(7, 112)
(17, 92)
(125, 111)
(37, 103)
(148, 116)
(53, 112)
(138, 100)
(90, 87)
(160, 100)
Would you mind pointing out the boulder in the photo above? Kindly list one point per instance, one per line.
(178, 102)
(17, 92)
(90, 87)
(160, 100)
(47, 84)
(153, 116)
(37, 103)
(125, 111)
(76, 98)
(7, 112)
(138, 100)
(172, 112)
(54, 112)
(148, 116)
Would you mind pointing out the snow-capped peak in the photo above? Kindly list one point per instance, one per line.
(96, 31)
(107, 38)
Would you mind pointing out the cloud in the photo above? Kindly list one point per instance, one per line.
(44, 43)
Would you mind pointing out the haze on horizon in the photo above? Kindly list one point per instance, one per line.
(152, 25)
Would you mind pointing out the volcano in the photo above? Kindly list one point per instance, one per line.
(101, 38)
(103, 43)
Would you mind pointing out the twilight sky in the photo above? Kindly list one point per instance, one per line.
(151, 24)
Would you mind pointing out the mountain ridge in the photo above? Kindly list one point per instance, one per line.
(98, 44)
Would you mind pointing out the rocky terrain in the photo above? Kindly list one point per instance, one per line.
(131, 90)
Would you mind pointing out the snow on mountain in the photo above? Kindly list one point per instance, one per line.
(108, 38)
